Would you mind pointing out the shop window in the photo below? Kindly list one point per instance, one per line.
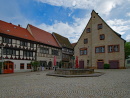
(21, 65)
(29, 66)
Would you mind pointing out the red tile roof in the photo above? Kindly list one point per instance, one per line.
(73, 44)
(43, 36)
(10, 29)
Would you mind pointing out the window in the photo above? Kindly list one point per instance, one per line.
(17, 52)
(28, 53)
(113, 48)
(83, 51)
(85, 41)
(99, 26)
(28, 66)
(128, 61)
(21, 65)
(31, 45)
(65, 56)
(70, 51)
(7, 51)
(31, 54)
(13, 52)
(7, 40)
(22, 43)
(44, 50)
(88, 30)
(54, 52)
(100, 49)
(102, 37)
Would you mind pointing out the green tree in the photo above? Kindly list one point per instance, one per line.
(35, 64)
(127, 50)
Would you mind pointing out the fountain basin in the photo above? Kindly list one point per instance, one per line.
(75, 73)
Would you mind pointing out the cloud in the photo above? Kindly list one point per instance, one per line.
(102, 6)
(128, 37)
(128, 14)
(119, 25)
(73, 31)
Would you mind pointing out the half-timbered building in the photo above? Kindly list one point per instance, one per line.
(17, 48)
(47, 47)
(67, 50)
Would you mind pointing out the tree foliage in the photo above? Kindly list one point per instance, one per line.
(127, 50)
(35, 64)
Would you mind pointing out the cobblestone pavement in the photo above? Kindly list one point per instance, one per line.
(115, 83)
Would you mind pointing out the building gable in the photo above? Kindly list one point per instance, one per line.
(63, 41)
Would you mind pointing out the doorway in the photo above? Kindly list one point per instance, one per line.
(100, 64)
(81, 64)
(8, 67)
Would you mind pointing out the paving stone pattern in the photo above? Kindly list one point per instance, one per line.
(115, 83)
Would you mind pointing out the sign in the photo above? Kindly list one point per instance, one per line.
(73, 57)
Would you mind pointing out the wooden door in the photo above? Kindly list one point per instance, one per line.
(8, 67)
(100, 64)
(81, 64)
(114, 64)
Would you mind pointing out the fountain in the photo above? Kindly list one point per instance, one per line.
(73, 72)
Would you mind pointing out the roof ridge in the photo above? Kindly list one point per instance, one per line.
(39, 28)
(14, 30)
(12, 24)
(61, 35)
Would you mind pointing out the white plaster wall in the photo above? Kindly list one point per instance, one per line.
(17, 65)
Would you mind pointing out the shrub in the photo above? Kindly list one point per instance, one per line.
(106, 66)
(35, 64)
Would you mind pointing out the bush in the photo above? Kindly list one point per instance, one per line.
(35, 64)
(106, 66)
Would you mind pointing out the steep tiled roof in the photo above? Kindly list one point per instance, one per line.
(42, 36)
(63, 41)
(13, 30)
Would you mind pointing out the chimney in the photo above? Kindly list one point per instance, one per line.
(19, 25)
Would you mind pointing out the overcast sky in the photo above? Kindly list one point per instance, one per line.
(67, 17)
